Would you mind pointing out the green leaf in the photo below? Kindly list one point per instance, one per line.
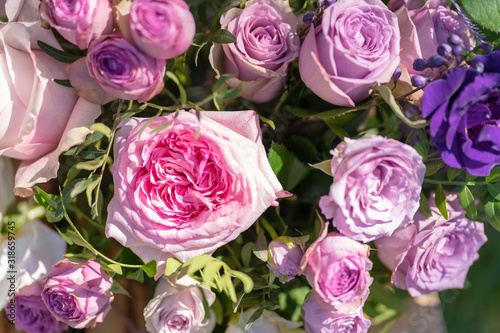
(386, 94)
(48, 201)
(91, 153)
(275, 160)
(339, 131)
(492, 211)
(424, 208)
(172, 266)
(80, 255)
(117, 288)
(70, 192)
(112, 267)
(230, 93)
(494, 175)
(453, 173)
(247, 281)
(467, 202)
(246, 253)
(494, 190)
(484, 12)
(91, 165)
(334, 113)
(433, 167)
(182, 91)
(64, 236)
(64, 83)
(424, 141)
(59, 55)
(138, 276)
(289, 169)
(441, 201)
(255, 315)
(223, 36)
(325, 166)
(100, 127)
(150, 268)
(260, 247)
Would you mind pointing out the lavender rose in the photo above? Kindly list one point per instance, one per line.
(269, 322)
(376, 187)
(266, 43)
(163, 29)
(120, 69)
(183, 194)
(319, 320)
(78, 292)
(426, 25)
(79, 21)
(337, 268)
(285, 254)
(355, 46)
(434, 254)
(31, 314)
(178, 307)
(463, 109)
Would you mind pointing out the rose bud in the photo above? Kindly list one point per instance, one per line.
(285, 254)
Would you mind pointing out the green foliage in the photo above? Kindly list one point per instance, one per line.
(289, 169)
(484, 12)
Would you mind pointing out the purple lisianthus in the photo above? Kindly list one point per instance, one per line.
(433, 254)
(376, 187)
(463, 109)
(78, 292)
(337, 268)
(79, 21)
(319, 320)
(31, 314)
(285, 254)
(124, 71)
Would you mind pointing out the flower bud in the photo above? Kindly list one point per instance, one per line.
(397, 73)
(419, 81)
(477, 64)
(457, 50)
(436, 61)
(454, 39)
(308, 18)
(444, 50)
(420, 64)
(285, 254)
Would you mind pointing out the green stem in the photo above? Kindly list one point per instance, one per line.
(445, 182)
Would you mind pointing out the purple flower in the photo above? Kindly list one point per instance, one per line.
(32, 315)
(319, 320)
(78, 292)
(163, 29)
(285, 254)
(376, 187)
(433, 254)
(464, 113)
(124, 71)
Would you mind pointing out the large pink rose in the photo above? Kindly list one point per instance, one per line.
(79, 21)
(40, 118)
(183, 194)
(426, 25)
(355, 47)
(433, 254)
(266, 43)
(376, 187)
(337, 268)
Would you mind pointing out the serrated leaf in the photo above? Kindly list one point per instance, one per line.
(117, 288)
(492, 211)
(453, 173)
(494, 190)
(440, 200)
(138, 275)
(223, 36)
(59, 55)
(467, 202)
(484, 12)
(150, 268)
(171, 266)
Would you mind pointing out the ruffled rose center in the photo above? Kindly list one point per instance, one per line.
(342, 277)
(68, 10)
(155, 20)
(63, 305)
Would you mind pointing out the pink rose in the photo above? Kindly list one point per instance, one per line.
(79, 21)
(183, 194)
(178, 307)
(78, 292)
(41, 119)
(337, 268)
(163, 29)
(426, 26)
(266, 43)
(355, 47)
(376, 187)
(433, 254)
(285, 254)
(319, 320)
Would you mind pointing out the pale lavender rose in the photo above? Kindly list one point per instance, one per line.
(285, 254)
(434, 254)
(79, 21)
(337, 268)
(19, 10)
(355, 47)
(319, 320)
(163, 29)
(120, 69)
(426, 25)
(78, 292)
(178, 307)
(30, 313)
(41, 119)
(266, 43)
(268, 322)
(31, 259)
(190, 188)
(376, 187)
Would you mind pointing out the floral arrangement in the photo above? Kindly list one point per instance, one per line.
(260, 165)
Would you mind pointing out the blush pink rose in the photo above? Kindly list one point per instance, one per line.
(285, 254)
(79, 21)
(40, 118)
(376, 187)
(433, 254)
(183, 194)
(426, 25)
(266, 42)
(19, 10)
(78, 292)
(355, 47)
(337, 268)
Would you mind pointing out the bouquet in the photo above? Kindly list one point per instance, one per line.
(260, 165)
